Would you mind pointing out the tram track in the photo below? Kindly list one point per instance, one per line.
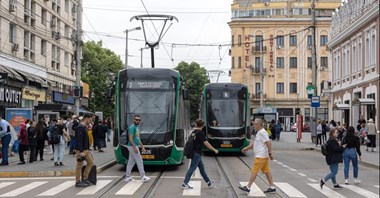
(155, 183)
(222, 170)
(111, 187)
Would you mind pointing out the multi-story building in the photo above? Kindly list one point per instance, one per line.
(37, 50)
(275, 35)
(354, 48)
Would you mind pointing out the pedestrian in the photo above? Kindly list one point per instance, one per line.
(342, 131)
(32, 138)
(24, 143)
(59, 147)
(5, 135)
(41, 131)
(333, 158)
(109, 127)
(196, 160)
(70, 126)
(351, 153)
(94, 132)
(371, 135)
(262, 149)
(50, 131)
(325, 129)
(272, 130)
(278, 129)
(82, 150)
(134, 152)
(319, 133)
(101, 131)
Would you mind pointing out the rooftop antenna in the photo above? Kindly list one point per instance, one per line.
(154, 17)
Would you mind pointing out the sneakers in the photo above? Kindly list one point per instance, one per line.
(61, 164)
(346, 181)
(244, 188)
(81, 184)
(270, 190)
(337, 187)
(210, 183)
(357, 181)
(186, 186)
(86, 181)
(145, 179)
(129, 179)
(321, 183)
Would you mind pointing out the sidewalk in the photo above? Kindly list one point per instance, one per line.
(288, 141)
(46, 168)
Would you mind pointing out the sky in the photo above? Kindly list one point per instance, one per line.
(199, 22)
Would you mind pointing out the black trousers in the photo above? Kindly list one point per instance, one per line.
(324, 137)
(40, 148)
(32, 156)
(21, 151)
(319, 139)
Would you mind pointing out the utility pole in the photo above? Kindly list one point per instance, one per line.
(78, 53)
(313, 56)
(261, 74)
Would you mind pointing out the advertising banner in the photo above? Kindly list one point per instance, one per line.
(16, 116)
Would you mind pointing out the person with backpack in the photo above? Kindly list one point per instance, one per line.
(32, 138)
(58, 142)
(199, 139)
(278, 129)
(134, 152)
(24, 143)
(333, 158)
(351, 153)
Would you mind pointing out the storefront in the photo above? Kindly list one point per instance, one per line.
(32, 96)
(63, 105)
(10, 97)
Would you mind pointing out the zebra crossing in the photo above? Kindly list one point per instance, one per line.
(15, 189)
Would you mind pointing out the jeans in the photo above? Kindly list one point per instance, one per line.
(196, 161)
(5, 140)
(72, 144)
(59, 150)
(134, 158)
(332, 174)
(90, 162)
(109, 133)
(349, 154)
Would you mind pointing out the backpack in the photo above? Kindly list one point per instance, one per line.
(55, 137)
(324, 149)
(189, 146)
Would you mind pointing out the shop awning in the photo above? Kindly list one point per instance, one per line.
(342, 106)
(31, 77)
(12, 73)
(366, 101)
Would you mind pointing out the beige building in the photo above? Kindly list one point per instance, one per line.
(355, 49)
(37, 49)
(276, 35)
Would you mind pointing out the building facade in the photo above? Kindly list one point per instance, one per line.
(272, 40)
(354, 48)
(37, 48)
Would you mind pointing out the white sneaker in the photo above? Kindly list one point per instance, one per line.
(129, 179)
(357, 181)
(145, 179)
(346, 181)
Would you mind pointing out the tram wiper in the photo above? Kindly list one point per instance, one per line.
(156, 130)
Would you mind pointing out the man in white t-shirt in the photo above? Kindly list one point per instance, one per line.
(262, 149)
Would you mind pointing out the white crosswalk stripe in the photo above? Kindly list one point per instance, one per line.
(361, 191)
(289, 189)
(23, 189)
(5, 184)
(255, 190)
(326, 191)
(196, 191)
(130, 188)
(94, 188)
(57, 189)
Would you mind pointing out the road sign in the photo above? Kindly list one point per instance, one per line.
(315, 101)
(310, 91)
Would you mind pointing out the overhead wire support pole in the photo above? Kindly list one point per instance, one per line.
(261, 75)
(313, 55)
(78, 53)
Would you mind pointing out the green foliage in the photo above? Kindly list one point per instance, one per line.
(98, 65)
(195, 78)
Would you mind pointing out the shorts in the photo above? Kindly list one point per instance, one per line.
(261, 164)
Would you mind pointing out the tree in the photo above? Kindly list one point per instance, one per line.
(98, 66)
(195, 78)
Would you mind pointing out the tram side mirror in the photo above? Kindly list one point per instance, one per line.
(109, 92)
(185, 94)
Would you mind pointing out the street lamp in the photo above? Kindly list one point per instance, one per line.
(126, 43)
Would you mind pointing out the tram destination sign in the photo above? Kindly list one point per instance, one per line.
(133, 84)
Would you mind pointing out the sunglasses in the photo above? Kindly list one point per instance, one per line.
(137, 119)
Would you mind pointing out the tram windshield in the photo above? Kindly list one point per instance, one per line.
(226, 113)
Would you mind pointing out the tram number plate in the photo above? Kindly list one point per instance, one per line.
(226, 144)
(148, 157)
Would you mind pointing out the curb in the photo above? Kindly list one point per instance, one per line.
(366, 164)
(53, 173)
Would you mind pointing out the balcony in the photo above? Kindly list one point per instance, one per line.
(259, 49)
(256, 70)
(257, 96)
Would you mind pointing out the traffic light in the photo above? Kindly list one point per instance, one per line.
(78, 91)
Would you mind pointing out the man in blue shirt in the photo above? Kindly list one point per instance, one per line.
(5, 136)
(134, 152)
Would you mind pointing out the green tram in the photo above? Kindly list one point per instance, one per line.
(224, 107)
(158, 96)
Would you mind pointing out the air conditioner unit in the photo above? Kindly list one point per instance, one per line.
(266, 3)
(322, 68)
(56, 35)
(280, 46)
(53, 23)
(15, 47)
(12, 6)
(309, 47)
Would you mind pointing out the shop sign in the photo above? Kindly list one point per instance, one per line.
(63, 98)
(11, 95)
(29, 93)
(17, 116)
(86, 90)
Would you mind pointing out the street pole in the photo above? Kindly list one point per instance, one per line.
(78, 53)
(126, 49)
(313, 56)
(261, 75)
(141, 57)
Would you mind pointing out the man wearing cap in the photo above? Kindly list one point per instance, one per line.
(5, 136)
(82, 150)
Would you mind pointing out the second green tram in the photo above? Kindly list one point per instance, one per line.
(224, 107)
(158, 96)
